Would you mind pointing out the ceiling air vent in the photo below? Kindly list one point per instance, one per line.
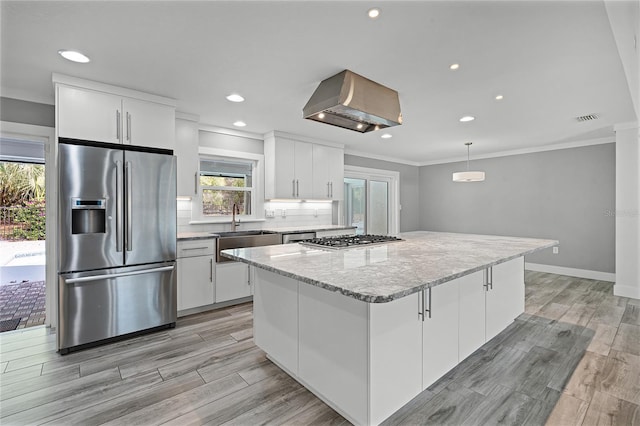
(588, 117)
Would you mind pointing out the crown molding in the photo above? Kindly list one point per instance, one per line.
(382, 158)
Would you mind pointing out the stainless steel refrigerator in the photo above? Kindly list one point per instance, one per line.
(117, 241)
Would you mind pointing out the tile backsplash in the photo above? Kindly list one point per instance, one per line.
(277, 214)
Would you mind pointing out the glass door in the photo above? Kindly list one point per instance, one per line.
(367, 205)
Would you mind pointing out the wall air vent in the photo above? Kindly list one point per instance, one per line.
(588, 117)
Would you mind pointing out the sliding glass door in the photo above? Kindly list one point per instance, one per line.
(367, 204)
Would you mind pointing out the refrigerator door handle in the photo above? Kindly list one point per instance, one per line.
(119, 206)
(129, 237)
(122, 274)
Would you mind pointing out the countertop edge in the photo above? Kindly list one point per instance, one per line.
(388, 298)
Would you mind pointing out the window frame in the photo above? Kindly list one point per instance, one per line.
(257, 187)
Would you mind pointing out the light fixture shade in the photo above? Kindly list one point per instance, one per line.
(468, 176)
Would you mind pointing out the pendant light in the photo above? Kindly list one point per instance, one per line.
(468, 176)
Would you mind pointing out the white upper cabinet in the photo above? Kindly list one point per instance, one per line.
(99, 112)
(302, 170)
(85, 114)
(328, 172)
(187, 152)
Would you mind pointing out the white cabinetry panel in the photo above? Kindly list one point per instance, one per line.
(89, 115)
(395, 339)
(186, 136)
(275, 312)
(232, 281)
(505, 297)
(148, 124)
(471, 315)
(196, 273)
(440, 332)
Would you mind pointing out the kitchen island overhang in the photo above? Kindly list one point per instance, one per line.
(367, 329)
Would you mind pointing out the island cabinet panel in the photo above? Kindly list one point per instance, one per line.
(505, 296)
(472, 314)
(395, 355)
(275, 318)
(333, 349)
(440, 332)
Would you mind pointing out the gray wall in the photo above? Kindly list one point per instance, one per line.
(231, 143)
(17, 111)
(563, 194)
(409, 188)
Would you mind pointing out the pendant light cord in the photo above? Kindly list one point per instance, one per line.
(468, 145)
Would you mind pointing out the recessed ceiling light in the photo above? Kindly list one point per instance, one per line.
(467, 118)
(239, 124)
(73, 56)
(234, 97)
(321, 115)
(454, 66)
(373, 13)
(499, 97)
(386, 136)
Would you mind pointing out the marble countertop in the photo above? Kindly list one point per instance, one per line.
(187, 236)
(387, 272)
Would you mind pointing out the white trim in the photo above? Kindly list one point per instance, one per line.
(45, 135)
(532, 150)
(186, 116)
(382, 158)
(230, 132)
(107, 88)
(394, 190)
(278, 134)
(626, 291)
(572, 272)
(626, 126)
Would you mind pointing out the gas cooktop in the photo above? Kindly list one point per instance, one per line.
(349, 241)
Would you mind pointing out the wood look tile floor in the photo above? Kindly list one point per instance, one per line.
(572, 358)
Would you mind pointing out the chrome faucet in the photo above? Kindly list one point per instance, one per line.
(236, 210)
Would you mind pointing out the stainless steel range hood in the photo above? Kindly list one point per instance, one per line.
(353, 102)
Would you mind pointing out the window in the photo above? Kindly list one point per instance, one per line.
(225, 182)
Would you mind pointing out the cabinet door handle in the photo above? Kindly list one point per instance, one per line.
(488, 279)
(297, 188)
(427, 309)
(331, 196)
(421, 305)
(118, 125)
(210, 270)
(249, 275)
(328, 191)
(128, 127)
(293, 183)
(194, 248)
(196, 183)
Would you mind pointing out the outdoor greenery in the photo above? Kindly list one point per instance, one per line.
(22, 199)
(219, 195)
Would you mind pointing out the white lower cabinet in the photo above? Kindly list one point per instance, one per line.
(276, 330)
(505, 296)
(440, 332)
(196, 273)
(232, 281)
(471, 329)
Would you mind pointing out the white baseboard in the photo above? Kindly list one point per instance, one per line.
(626, 291)
(572, 272)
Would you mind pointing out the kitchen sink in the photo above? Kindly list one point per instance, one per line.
(241, 239)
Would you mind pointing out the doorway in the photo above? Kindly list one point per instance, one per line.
(27, 219)
(371, 200)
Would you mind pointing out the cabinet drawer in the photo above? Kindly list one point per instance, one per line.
(196, 248)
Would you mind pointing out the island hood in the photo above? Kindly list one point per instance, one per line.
(353, 102)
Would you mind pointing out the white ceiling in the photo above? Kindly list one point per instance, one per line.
(552, 61)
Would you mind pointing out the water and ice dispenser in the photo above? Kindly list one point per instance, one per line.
(88, 216)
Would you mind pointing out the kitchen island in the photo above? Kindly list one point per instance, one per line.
(367, 329)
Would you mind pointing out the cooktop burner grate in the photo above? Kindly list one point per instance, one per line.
(349, 241)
